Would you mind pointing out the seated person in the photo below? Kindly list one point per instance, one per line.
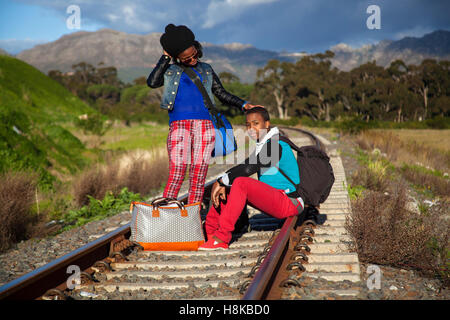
(272, 193)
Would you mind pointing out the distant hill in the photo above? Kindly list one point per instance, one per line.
(3, 52)
(135, 55)
(412, 50)
(33, 110)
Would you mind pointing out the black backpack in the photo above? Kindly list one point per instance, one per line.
(316, 173)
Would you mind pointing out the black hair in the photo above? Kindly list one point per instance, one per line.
(262, 111)
(199, 48)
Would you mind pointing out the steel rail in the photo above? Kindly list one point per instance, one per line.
(35, 283)
(264, 278)
(54, 274)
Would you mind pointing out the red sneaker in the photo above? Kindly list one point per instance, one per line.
(213, 244)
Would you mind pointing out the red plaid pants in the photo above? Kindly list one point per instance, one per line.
(220, 221)
(190, 142)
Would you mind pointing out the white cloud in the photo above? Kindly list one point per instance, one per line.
(342, 47)
(417, 32)
(221, 11)
(144, 16)
(133, 20)
(123, 15)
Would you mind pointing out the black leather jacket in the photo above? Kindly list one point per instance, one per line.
(156, 80)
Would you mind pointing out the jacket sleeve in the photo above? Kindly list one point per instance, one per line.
(224, 96)
(156, 77)
(253, 164)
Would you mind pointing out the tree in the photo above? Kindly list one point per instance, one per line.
(364, 88)
(315, 90)
(382, 106)
(404, 102)
(270, 88)
(421, 78)
(228, 77)
(107, 75)
(84, 72)
(140, 81)
(440, 89)
(234, 86)
(397, 70)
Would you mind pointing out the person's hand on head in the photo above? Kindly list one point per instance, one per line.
(248, 106)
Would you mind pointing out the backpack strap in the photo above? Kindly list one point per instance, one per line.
(293, 146)
(290, 143)
(285, 175)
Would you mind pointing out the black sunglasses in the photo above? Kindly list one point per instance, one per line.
(189, 59)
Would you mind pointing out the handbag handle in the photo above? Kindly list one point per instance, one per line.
(178, 203)
(156, 203)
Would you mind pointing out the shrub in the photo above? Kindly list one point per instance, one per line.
(386, 233)
(144, 172)
(95, 182)
(139, 171)
(293, 121)
(438, 123)
(101, 209)
(93, 124)
(17, 195)
(373, 177)
(352, 126)
(237, 120)
(380, 226)
(355, 191)
(427, 180)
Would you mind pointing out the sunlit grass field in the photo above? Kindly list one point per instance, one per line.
(144, 136)
(436, 139)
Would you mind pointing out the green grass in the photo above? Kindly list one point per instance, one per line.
(33, 110)
(100, 209)
(354, 125)
(355, 192)
(28, 90)
(138, 136)
(424, 170)
(426, 181)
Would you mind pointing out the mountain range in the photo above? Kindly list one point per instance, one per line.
(412, 50)
(135, 55)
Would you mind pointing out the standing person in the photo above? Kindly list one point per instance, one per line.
(191, 130)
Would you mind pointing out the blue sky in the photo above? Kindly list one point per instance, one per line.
(289, 25)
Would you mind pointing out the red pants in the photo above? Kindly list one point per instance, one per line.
(189, 142)
(220, 222)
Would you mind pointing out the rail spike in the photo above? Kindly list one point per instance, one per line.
(296, 265)
(54, 294)
(289, 282)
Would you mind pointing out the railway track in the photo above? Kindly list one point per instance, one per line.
(266, 256)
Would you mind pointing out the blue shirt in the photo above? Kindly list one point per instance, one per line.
(188, 103)
(288, 163)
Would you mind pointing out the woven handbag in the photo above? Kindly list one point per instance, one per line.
(166, 225)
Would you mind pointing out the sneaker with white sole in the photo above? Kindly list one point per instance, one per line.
(213, 244)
